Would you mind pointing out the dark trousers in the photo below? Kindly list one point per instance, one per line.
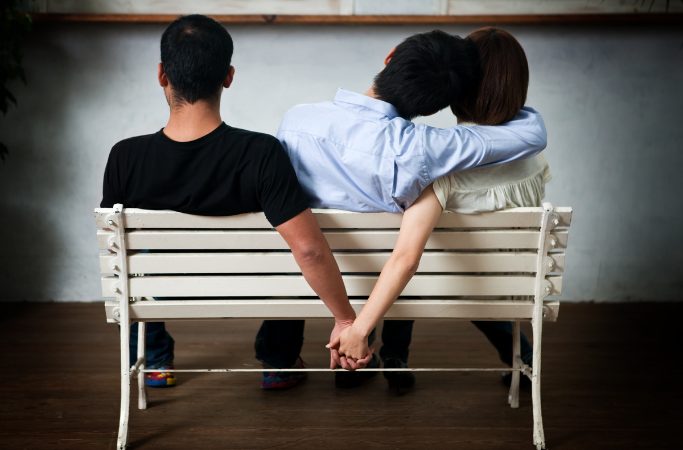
(158, 345)
(499, 335)
(278, 342)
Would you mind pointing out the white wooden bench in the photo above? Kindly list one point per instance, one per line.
(493, 266)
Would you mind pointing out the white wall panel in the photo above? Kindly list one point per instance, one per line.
(611, 98)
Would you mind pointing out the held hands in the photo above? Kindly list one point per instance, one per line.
(348, 347)
(339, 326)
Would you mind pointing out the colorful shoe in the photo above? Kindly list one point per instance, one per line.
(160, 379)
(283, 380)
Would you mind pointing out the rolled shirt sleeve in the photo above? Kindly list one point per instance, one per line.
(426, 153)
(464, 147)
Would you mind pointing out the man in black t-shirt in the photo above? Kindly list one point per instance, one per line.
(199, 165)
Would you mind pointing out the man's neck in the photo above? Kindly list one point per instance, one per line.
(188, 122)
(371, 92)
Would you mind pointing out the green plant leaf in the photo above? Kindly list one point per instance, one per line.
(14, 25)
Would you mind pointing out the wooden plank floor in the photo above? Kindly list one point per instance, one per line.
(611, 381)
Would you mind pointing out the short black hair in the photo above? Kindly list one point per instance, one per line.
(195, 54)
(428, 72)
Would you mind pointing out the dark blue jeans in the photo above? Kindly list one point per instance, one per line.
(158, 345)
(499, 335)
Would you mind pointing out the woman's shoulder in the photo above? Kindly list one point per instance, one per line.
(516, 183)
(501, 174)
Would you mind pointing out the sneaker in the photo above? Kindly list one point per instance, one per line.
(283, 380)
(399, 382)
(160, 379)
(350, 379)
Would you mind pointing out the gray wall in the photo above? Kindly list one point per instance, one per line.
(611, 98)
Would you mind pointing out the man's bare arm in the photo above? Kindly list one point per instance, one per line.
(313, 255)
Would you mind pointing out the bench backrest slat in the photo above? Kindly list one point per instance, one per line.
(263, 262)
(338, 240)
(517, 217)
(492, 255)
(296, 286)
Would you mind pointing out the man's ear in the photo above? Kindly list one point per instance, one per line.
(161, 75)
(389, 56)
(228, 79)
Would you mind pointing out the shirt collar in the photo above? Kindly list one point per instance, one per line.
(373, 104)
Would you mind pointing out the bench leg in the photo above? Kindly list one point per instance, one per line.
(539, 437)
(142, 392)
(125, 385)
(513, 396)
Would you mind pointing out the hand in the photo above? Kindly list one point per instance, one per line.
(353, 343)
(335, 357)
(350, 348)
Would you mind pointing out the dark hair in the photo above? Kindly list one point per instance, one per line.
(501, 93)
(195, 54)
(428, 72)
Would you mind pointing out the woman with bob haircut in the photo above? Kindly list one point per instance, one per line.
(500, 95)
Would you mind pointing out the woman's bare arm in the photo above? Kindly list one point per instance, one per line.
(416, 226)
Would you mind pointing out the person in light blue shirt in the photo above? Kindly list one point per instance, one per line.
(361, 152)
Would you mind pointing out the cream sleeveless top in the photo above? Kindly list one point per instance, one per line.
(510, 185)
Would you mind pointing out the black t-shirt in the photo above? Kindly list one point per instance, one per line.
(228, 171)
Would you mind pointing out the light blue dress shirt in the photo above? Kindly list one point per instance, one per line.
(356, 154)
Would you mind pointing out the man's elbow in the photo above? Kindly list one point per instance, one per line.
(310, 253)
(306, 241)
